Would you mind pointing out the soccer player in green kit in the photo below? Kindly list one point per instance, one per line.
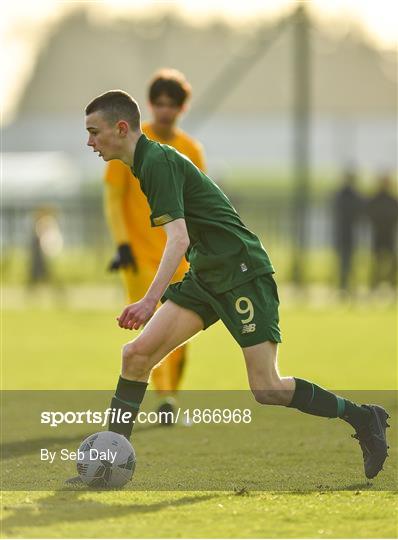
(230, 278)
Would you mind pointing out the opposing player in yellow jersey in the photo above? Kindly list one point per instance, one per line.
(139, 246)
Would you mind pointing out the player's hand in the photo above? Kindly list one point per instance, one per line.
(124, 258)
(136, 315)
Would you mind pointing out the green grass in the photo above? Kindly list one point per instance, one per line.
(343, 347)
(355, 514)
(313, 460)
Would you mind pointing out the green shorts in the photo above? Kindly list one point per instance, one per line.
(249, 311)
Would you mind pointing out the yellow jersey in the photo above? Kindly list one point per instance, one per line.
(127, 207)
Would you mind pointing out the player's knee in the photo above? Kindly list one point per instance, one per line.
(128, 351)
(135, 362)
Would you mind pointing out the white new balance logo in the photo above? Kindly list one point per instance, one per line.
(248, 328)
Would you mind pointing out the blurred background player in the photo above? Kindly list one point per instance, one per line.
(140, 247)
(382, 210)
(46, 244)
(348, 206)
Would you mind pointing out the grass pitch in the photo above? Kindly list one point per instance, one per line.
(341, 348)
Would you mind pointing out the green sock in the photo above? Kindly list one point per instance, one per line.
(127, 398)
(312, 399)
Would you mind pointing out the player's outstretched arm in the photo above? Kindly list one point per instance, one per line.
(137, 314)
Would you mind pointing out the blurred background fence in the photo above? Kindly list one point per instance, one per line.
(86, 246)
(83, 225)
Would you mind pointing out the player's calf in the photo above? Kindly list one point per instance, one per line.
(276, 395)
(137, 361)
(126, 401)
(131, 388)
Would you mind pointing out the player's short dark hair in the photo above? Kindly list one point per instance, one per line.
(116, 105)
(171, 83)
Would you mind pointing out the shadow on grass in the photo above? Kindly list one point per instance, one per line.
(70, 507)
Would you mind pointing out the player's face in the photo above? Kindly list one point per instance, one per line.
(103, 137)
(165, 111)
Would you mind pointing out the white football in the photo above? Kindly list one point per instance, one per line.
(105, 460)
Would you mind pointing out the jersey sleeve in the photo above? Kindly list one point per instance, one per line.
(164, 188)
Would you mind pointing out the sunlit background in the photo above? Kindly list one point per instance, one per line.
(24, 26)
(279, 121)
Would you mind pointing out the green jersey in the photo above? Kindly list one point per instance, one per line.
(222, 253)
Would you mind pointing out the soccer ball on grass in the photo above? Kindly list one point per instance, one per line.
(105, 460)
